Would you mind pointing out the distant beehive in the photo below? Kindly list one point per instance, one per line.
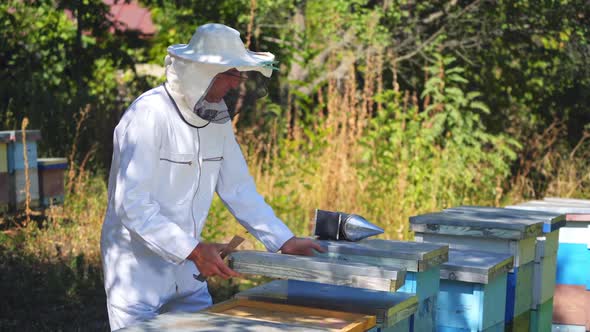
(12, 168)
(51, 180)
(3, 177)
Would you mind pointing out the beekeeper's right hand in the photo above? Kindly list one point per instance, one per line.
(207, 259)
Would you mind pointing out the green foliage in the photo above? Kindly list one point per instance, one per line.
(53, 66)
(440, 156)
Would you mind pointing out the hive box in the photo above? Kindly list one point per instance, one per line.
(13, 163)
(420, 260)
(508, 233)
(51, 180)
(472, 292)
(573, 260)
(393, 311)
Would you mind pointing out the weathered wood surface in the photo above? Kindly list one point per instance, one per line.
(544, 277)
(388, 307)
(298, 315)
(565, 206)
(502, 227)
(16, 186)
(541, 317)
(522, 294)
(209, 322)
(318, 269)
(571, 305)
(574, 201)
(522, 250)
(475, 266)
(3, 157)
(545, 269)
(551, 220)
(470, 306)
(7, 136)
(413, 256)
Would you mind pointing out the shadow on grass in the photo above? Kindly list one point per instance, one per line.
(66, 294)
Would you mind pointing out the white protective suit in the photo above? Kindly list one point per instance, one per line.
(167, 163)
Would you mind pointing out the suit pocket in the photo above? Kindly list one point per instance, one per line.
(176, 177)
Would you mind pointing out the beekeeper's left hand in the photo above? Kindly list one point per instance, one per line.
(301, 246)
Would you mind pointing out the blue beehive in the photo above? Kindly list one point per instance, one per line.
(420, 260)
(573, 262)
(500, 233)
(13, 148)
(472, 292)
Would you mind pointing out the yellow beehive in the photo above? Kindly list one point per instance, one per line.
(3, 158)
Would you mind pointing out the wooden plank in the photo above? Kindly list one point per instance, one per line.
(522, 250)
(551, 220)
(583, 202)
(578, 217)
(475, 266)
(388, 307)
(8, 136)
(51, 183)
(544, 277)
(476, 226)
(470, 306)
(565, 204)
(414, 256)
(520, 323)
(16, 158)
(292, 314)
(541, 317)
(567, 328)
(423, 284)
(579, 234)
(4, 188)
(551, 207)
(3, 158)
(547, 245)
(571, 305)
(207, 322)
(426, 286)
(318, 269)
(17, 182)
(573, 264)
(519, 295)
(52, 163)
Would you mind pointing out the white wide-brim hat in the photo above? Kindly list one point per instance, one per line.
(219, 45)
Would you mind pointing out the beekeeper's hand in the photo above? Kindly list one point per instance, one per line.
(207, 259)
(301, 246)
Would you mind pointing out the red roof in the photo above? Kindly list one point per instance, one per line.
(131, 16)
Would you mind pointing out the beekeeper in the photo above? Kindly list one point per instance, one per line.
(173, 148)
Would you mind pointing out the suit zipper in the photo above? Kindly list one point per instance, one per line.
(178, 162)
(213, 159)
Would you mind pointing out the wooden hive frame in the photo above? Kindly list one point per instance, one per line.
(299, 315)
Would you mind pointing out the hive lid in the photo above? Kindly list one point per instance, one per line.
(7, 136)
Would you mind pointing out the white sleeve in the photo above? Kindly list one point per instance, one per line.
(237, 190)
(138, 161)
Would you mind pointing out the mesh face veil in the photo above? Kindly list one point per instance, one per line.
(229, 93)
